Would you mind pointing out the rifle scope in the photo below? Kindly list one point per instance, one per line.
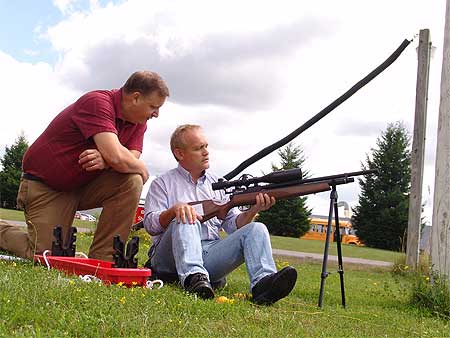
(274, 177)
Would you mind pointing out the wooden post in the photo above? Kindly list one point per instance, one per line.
(418, 149)
(440, 235)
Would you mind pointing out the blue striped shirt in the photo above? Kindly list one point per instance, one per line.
(177, 186)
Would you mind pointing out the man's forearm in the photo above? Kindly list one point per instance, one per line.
(166, 217)
(118, 157)
(126, 162)
(245, 218)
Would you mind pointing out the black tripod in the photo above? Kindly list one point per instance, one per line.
(324, 275)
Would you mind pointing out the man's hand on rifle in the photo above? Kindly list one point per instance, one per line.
(263, 202)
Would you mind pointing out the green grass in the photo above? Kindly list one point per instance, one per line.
(35, 302)
(17, 215)
(313, 246)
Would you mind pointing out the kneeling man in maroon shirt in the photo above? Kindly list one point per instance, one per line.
(88, 157)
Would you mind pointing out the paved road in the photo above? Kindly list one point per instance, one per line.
(297, 254)
(319, 257)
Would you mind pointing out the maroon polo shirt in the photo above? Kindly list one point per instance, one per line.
(53, 157)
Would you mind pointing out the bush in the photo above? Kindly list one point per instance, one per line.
(432, 292)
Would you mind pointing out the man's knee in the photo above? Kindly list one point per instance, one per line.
(134, 181)
(193, 231)
(258, 229)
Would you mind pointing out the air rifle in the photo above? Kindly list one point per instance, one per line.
(279, 184)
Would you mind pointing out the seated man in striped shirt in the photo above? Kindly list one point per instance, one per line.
(193, 250)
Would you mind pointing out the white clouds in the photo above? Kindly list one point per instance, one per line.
(32, 97)
(65, 6)
(249, 72)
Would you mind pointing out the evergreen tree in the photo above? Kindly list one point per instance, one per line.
(11, 171)
(381, 218)
(289, 217)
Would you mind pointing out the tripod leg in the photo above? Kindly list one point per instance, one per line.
(339, 251)
(327, 244)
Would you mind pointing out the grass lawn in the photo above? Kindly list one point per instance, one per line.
(313, 246)
(17, 215)
(35, 302)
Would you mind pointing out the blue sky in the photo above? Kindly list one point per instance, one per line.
(23, 24)
(19, 21)
(257, 69)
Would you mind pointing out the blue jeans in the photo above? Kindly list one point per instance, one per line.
(181, 250)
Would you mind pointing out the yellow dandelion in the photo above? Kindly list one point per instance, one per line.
(240, 295)
(406, 267)
(71, 282)
(122, 300)
(221, 299)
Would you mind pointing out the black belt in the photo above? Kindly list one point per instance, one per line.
(30, 177)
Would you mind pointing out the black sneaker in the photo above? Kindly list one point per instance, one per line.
(198, 283)
(274, 287)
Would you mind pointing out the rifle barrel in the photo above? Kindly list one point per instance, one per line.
(345, 176)
(334, 177)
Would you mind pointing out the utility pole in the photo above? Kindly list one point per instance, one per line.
(440, 233)
(418, 149)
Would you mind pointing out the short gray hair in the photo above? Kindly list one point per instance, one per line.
(177, 138)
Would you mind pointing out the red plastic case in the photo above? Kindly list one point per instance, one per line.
(98, 268)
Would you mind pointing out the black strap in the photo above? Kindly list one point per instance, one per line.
(30, 177)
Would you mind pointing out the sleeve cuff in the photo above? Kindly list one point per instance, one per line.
(151, 223)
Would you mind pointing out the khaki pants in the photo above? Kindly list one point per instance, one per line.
(45, 208)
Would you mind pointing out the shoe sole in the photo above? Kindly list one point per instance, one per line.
(281, 286)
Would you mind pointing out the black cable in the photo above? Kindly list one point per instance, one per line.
(322, 113)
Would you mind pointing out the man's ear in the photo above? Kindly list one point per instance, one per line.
(135, 96)
(179, 153)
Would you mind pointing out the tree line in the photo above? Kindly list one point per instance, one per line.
(380, 218)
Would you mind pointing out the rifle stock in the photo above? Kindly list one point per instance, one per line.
(209, 209)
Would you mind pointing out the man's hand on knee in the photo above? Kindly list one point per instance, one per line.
(185, 213)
